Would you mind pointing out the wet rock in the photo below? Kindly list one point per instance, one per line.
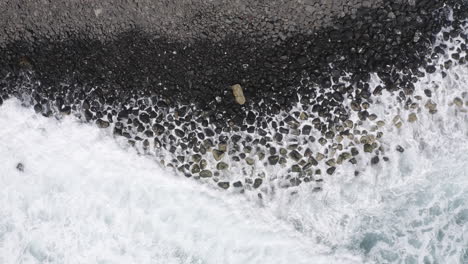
(250, 161)
(283, 151)
(331, 162)
(237, 184)
(295, 155)
(428, 92)
(203, 164)
(20, 166)
(312, 161)
(331, 170)
(206, 174)
(145, 118)
(303, 116)
(372, 117)
(431, 106)
(278, 137)
(179, 133)
(250, 119)
(102, 124)
(222, 147)
(158, 129)
(38, 108)
(400, 149)
(273, 160)
(257, 183)
(238, 94)
(430, 69)
(282, 161)
(355, 106)
(412, 117)
(181, 158)
(307, 166)
(247, 149)
(319, 156)
(296, 168)
(368, 148)
(224, 185)
(196, 157)
(329, 134)
(345, 156)
(349, 123)
(222, 166)
(458, 102)
(195, 169)
(322, 141)
(218, 154)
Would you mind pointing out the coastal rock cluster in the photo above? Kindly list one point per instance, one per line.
(228, 111)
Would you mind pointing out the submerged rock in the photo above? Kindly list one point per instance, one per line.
(222, 166)
(20, 167)
(102, 124)
(257, 183)
(206, 174)
(218, 154)
(224, 185)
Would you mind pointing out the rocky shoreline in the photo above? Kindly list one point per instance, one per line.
(226, 111)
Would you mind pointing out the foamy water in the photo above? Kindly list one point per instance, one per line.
(84, 199)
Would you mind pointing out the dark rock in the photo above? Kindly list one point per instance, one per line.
(20, 167)
(400, 149)
(427, 92)
(295, 155)
(257, 183)
(38, 108)
(430, 69)
(206, 174)
(224, 185)
(209, 132)
(306, 130)
(331, 170)
(179, 133)
(250, 119)
(145, 118)
(278, 137)
(102, 124)
(158, 129)
(296, 168)
(375, 160)
(273, 160)
(237, 184)
(368, 148)
(222, 166)
(218, 154)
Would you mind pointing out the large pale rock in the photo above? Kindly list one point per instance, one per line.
(238, 94)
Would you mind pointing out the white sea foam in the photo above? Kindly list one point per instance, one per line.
(84, 199)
